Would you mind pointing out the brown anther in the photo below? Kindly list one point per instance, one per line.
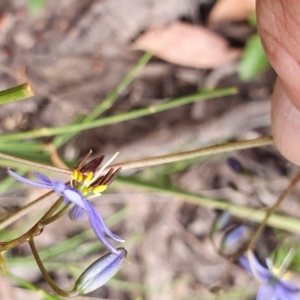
(113, 176)
(108, 178)
(80, 163)
(92, 165)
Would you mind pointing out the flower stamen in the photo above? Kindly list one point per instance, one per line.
(98, 173)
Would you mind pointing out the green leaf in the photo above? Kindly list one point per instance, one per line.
(35, 6)
(254, 59)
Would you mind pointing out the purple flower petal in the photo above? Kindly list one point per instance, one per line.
(75, 196)
(99, 232)
(292, 288)
(263, 272)
(285, 294)
(27, 181)
(103, 226)
(99, 227)
(76, 213)
(108, 231)
(43, 178)
(267, 292)
(58, 186)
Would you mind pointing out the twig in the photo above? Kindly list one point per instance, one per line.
(271, 210)
(163, 159)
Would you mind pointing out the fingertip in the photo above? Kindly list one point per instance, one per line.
(285, 124)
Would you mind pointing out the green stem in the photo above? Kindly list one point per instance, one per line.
(16, 93)
(255, 215)
(211, 150)
(53, 285)
(37, 228)
(33, 231)
(204, 95)
(47, 221)
(34, 164)
(51, 211)
(22, 211)
(163, 159)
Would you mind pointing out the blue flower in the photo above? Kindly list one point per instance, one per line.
(273, 286)
(82, 205)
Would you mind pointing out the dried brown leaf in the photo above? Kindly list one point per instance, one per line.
(231, 10)
(187, 45)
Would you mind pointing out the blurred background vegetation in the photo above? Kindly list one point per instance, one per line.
(128, 76)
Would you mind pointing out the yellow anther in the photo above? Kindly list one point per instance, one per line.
(277, 273)
(89, 177)
(80, 177)
(287, 275)
(75, 174)
(99, 189)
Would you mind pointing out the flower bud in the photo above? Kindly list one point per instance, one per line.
(222, 221)
(235, 165)
(235, 239)
(100, 271)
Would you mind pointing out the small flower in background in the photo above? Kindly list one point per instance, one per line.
(99, 272)
(273, 282)
(235, 165)
(235, 239)
(227, 237)
(82, 186)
